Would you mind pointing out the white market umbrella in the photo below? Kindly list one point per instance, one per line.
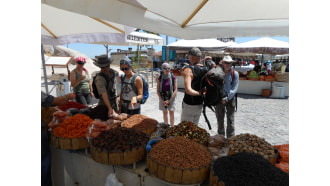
(190, 19)
(260, 46)
(60, 27)
(202, 44)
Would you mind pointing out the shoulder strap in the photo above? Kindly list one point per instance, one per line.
(232, 77)
(160, 78)
(122, 80)
(133, 82)
(172, 80)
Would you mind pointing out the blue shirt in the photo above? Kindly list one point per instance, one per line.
(230, 85)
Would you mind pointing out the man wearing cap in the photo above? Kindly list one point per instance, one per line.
(192, 103)
(228, 103)
(106, 87)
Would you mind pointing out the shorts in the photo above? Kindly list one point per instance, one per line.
(170, 107)
(83, 98)
(191, 113)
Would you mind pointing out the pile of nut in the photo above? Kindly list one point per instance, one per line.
(251, 143)
(180, 152)
(120, 139)
(189, 130)
(140, 122)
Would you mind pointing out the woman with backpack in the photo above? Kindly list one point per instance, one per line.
(81, 82)
(131, 89)
(166, 91)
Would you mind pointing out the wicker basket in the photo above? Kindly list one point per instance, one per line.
(118, 158)
(68, 143)
(177, 175)
(282, 76)
(266, 93)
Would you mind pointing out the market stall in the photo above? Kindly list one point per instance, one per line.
(87, 147)
(252, 86)
(269, 77)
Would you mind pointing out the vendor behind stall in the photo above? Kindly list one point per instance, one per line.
(48, 101)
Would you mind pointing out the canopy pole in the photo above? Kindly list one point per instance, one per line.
(152, 66)
(138, 58)
(167, 54)
(167, 51)
(44, 67)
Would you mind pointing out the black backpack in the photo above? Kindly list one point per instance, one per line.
(95, 92)
(212, 82)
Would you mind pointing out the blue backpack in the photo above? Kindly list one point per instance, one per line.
(145, 87)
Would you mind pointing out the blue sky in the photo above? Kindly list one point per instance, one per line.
(92, 50)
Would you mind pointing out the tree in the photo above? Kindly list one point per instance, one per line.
(107, 48)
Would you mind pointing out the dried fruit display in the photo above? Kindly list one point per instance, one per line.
(189, 130)
(246, 169)
(47, 114)
(141, 122)
(180, 152)
(284, 157)
(98, 126)
(73, 127)
(72, 104)
(120, 139)
(251, 143)
(120, 117)
(217, 141)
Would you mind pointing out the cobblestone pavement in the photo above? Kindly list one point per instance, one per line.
(265, 117)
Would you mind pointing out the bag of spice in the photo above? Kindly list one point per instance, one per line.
(216, 141)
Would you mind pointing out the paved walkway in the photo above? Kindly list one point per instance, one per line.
(265, 117)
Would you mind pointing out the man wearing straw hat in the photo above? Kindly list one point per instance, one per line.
(228, 103)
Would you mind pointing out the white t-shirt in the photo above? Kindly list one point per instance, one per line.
(128, 92)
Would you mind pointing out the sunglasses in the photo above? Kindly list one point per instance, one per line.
(227, 63)
(166, 68)
(123, 69)
(81, 62)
